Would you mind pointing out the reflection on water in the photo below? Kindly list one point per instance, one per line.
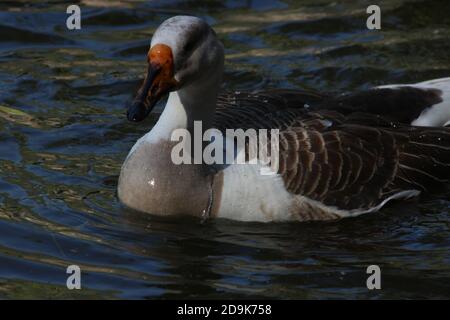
(63, 137)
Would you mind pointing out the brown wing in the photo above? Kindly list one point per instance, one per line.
(281, 106)
(353, 166)
(341, 157)
(275, 108)
(351, 160)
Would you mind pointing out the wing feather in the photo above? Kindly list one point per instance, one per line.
(349, 160)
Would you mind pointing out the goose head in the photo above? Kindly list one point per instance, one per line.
(184, 50)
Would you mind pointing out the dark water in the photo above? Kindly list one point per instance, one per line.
(63, 137)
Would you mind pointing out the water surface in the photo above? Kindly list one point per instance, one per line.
(64, 135)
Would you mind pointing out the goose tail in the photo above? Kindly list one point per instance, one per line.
(435, 108)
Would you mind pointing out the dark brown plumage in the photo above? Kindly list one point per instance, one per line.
(342, 156)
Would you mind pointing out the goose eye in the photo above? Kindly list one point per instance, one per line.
(188, 46)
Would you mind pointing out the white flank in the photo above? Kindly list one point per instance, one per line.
(406, 194)
(249, 196)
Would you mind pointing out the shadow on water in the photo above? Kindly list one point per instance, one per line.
(63, 137)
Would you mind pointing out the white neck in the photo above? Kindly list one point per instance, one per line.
(194, 102)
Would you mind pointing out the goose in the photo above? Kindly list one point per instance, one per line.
(338, 155)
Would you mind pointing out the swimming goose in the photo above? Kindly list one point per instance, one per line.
(338, 156)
